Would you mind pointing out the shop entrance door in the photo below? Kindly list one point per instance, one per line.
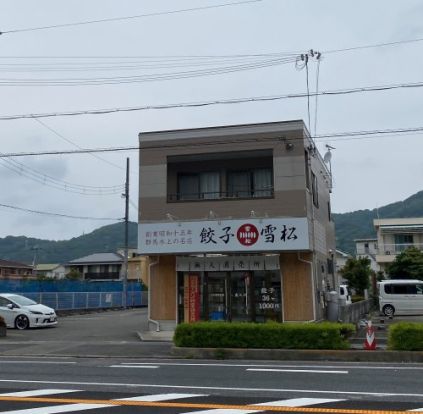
(217, 296)
(242, 308)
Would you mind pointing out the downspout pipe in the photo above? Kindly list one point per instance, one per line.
(157, 323)
(310, 263)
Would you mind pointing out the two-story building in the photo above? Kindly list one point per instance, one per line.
(368, 248)
(97, 266)
(395, 235)
(236, 221)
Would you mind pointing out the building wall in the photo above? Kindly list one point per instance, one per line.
(297, 288)
(163, 289)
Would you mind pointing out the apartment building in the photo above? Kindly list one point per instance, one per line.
(368, 248)
(395, 235)
(236, 223)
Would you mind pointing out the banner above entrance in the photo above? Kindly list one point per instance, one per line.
(217, 236)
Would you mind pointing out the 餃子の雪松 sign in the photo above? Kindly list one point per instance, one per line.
(209, 236)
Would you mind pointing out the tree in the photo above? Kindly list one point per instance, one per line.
(407, 265)
(357, 272)
(74, 274)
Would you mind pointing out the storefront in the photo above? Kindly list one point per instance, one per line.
(239, 288)
(225, 270)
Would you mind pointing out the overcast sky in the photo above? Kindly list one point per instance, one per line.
(368, 172)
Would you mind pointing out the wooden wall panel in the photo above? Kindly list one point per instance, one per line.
(163, 289)
(297, 290)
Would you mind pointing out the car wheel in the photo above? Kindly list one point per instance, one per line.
(388, 310)
(21, 322)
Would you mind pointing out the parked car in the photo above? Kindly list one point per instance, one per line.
(401, 297)
(21, 313)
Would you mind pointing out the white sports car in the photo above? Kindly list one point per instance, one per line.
(21, 313)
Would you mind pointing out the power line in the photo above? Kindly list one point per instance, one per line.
(154, 77)
(115, 19)
(198, 104)
(27, 210)
(365, 134)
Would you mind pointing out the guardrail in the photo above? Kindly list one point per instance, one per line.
(88, 300)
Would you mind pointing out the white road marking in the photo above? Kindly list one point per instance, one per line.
(190, 364)
(416, 409)
(36, 393)
(296, 370)
(66, 408)
(196, 387)
(294, 402)
(135, 366)
(37, 362)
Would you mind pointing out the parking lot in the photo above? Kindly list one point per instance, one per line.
(108, 333)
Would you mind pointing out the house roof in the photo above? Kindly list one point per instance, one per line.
(8, 263)
(343, 254)
(45, 267)
(98, 258)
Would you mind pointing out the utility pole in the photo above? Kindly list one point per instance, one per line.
(126, 248)
(34, 261)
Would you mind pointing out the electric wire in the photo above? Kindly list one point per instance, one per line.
(198, 104)
(145, 78)
(115, 19)
(47, 213)
(337, 136)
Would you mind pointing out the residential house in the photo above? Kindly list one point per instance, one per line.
(394, 235)
(368, 248)
(341, 259)
(98, 266)
(14, 270)
(236, 221)
(51, 270)
(137, 265)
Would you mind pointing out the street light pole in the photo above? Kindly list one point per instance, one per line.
(126, 248)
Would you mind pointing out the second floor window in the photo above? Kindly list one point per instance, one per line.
(199, 186)
(403, 241)
(250, 183)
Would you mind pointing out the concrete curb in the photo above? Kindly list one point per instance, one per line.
(298, 355)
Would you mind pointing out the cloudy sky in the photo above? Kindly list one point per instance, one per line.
(235, 51)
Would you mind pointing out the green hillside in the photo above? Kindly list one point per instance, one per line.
(359, 224)
(349, 226)
(105, 239)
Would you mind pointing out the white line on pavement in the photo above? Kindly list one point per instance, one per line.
(37, 362)
(134, 366)
(36, 393)
(196, 387)
(313, 371)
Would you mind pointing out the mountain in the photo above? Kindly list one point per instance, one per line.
(359, 224)
(349, 226)
(105, 239)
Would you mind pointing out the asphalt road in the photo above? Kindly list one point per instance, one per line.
(104, 334)
(201, 386)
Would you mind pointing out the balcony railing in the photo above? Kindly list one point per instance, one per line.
(393, 249)
(222, 195)
(102, 275)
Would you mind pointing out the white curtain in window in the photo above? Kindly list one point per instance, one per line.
(239, 184)
(210, 185)
(188, 187)
(262, 180)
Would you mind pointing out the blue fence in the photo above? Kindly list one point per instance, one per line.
(67, 295)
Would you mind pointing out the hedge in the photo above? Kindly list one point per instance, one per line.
(406, 336)
(266, 336)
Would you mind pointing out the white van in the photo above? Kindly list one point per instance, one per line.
(401, 296)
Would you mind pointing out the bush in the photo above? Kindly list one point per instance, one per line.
(266, 336)
(2, 322)
(406, 336)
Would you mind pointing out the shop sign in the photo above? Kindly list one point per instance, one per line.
(191, 298)
(227, 263)
(217, 236)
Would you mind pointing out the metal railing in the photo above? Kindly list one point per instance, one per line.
(392, 249)
(88, 300)
(219, 195)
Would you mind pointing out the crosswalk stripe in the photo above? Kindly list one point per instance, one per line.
(161, 397)
(66, 408)
(36, 393)
(294, 402)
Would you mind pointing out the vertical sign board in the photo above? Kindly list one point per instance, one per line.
(191, 297)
